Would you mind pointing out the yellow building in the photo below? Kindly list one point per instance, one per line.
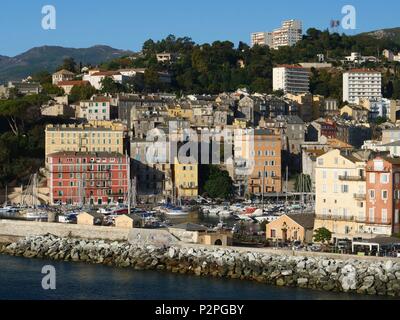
(289, 228)
(96, 136)
(341, 194)
(124, 222)
(240, 123)
(358, 113)
(85, 218)
(182, 112)
(186, 179)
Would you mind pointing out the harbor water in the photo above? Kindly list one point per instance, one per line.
(21, 278)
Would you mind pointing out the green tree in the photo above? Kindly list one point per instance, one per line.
(68, 64)
(108, 85)
(218, 184)
(49, 88)
(42, 77)
(19, 111)
(322, 235)
(84, 92)
(303, 183)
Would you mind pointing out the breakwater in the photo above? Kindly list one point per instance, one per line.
(363, 276)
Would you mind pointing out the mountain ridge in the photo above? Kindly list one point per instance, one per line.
(48, 58)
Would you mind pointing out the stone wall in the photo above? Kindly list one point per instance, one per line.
(321, 273)
(28, 228)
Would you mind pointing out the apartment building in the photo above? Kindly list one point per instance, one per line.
(383, 196)
(95, 178)
(362, 84)
(186, 179)
(304, 105)
(258, 157)
(291, 79)
(97, 108)
(96, 136)
(288, 34)
(340, 182)
(151, 167)
(261, 39)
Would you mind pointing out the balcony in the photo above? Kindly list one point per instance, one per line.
(336, 218)
(352, 178)
(360, 196)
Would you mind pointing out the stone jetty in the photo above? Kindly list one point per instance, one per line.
(321, 273)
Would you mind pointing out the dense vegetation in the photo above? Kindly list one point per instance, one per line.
(216, 183)
(220, 66)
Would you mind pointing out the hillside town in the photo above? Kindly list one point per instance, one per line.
(288, 168)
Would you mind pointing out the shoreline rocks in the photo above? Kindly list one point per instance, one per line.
(318, 273)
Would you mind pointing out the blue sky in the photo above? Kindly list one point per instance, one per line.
(126, 24)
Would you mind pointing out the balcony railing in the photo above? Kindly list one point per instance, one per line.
(336, 218)
(360, 196)
(352, 178)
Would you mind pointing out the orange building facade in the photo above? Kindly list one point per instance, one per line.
(383, 196)
(267, 173)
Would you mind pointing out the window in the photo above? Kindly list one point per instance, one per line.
(320, 162)
(384, 194)
(324, 188)
(345, 188)
(384, 216)
(397, 178)
(324, 174)
(371, 214)
(384, 178)
(372, 178)
(396, 216)
(372, 194)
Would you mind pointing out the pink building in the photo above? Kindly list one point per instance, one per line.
(88, 178)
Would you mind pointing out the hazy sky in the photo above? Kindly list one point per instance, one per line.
(126, 24)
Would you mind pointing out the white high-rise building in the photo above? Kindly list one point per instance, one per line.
(362, 84)
(291, 79)
(288, 34)
(261, 39)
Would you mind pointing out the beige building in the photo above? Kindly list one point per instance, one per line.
(341, 193)
(289, 228)
(124, 222)
(96, 136)
(186, 179)
(194, 233)
(62, 75)
(85, 218)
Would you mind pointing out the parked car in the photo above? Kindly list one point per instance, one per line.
(297, 245)
(316, 247)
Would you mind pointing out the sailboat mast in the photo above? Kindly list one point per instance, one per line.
(129, 184)
(6, 199)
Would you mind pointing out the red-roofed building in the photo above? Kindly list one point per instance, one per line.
(68, 85)
(95, 78)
